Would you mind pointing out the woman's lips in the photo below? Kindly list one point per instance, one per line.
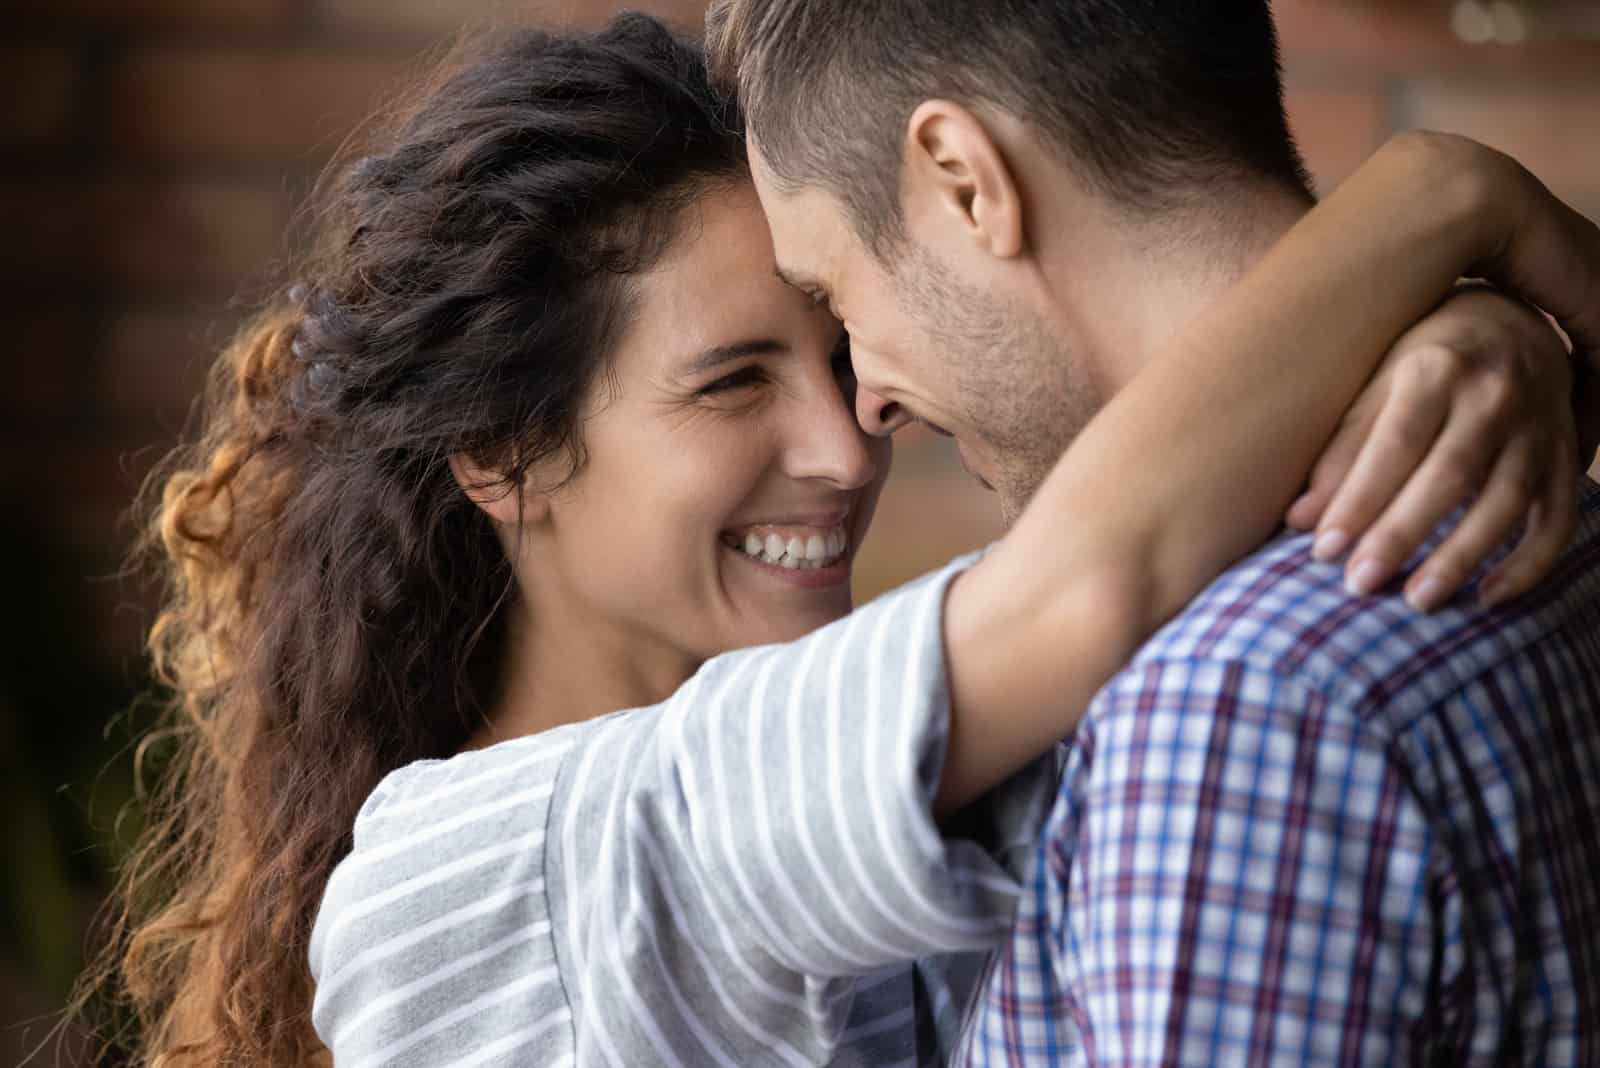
(812, 553)
(828, 576)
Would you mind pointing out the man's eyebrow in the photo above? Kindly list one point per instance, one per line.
(797, 280)
(716, 357)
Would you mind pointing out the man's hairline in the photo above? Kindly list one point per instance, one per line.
(1176, 212)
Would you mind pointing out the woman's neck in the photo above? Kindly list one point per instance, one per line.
(568, 674)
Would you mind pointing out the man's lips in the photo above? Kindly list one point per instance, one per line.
(961, 450)
(970, 468)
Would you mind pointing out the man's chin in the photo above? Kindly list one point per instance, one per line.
(1009, 514)
(1011, 507)
(1015, 490)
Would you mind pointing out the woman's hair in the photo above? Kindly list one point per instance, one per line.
(334, 603)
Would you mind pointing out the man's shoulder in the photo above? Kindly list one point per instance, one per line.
(1285, 617)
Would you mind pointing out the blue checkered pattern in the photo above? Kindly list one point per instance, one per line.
(1306, 829)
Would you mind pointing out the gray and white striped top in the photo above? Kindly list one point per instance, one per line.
(741, 876)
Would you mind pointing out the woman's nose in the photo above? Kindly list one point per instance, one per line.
(877, 415)
(832, 447)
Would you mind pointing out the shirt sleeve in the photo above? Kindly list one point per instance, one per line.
(724, 867)
(1238, 870)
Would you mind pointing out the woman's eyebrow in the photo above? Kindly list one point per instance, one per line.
(715, 357)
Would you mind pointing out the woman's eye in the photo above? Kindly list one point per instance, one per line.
(745, 376)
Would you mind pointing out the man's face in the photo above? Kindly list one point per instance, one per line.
(933, 338)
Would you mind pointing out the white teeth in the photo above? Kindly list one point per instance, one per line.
(794, 553)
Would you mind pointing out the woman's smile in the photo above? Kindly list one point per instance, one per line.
(726, 417)
(812, 552)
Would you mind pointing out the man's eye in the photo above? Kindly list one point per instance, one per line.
(844, 369)
(745, 376)
(842, 365)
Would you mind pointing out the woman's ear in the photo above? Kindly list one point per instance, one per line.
(507, 502)
(955, 172)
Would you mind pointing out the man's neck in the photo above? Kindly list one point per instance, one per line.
(1136, 287)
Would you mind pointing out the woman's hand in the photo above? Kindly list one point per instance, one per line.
(1473, 406)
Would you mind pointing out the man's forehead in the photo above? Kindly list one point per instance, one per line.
(801, 246)
(804, 245)
(807, 226)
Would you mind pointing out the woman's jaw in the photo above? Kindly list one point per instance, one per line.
(725, 488)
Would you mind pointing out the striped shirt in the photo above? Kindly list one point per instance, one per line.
(1307, 829)
(740, 876)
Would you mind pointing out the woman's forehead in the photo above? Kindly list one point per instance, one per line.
(716, 287)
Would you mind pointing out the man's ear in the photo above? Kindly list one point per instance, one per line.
(507, 503)
(953, 165)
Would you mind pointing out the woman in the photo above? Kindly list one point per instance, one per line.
(539, 437)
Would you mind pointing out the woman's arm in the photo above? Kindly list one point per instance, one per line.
(1193, 463)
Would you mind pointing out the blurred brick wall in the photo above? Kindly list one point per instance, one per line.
(1359, 69)
(152, 153)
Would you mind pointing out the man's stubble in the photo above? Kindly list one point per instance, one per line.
(1017, 384)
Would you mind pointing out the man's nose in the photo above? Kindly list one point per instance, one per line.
(878, 415)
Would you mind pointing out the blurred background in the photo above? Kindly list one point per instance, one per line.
(152, 156)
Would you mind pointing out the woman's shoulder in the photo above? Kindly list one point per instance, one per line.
(438, 835)
(440, 907)
(474, 781)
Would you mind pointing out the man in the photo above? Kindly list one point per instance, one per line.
(1304, 825)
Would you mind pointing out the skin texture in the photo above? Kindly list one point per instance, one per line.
(626, 583)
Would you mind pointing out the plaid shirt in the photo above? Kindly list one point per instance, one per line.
(1305, 829)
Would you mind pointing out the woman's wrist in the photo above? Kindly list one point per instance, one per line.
(1504, 225)
(1453, 191)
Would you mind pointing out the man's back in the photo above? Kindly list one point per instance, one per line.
(1306, 828)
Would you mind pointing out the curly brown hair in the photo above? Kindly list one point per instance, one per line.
(334, 602)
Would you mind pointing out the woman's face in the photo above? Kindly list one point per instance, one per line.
(727, 483)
